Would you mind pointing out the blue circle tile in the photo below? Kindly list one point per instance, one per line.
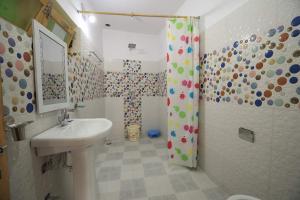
(293, 80)
(271, 32)
(29, 107)
(295, 68)
(23, 83)
(279, 72)
(254, 85)
(29, 95)
(235, 44)
(258, 93)
(270, 102)
(258, 102)
(269, 54)
(11, 42)
(8, 72)
(296, 21)
(295, 33)
(280, 28)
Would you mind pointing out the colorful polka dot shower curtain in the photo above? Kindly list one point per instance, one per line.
(183, 90)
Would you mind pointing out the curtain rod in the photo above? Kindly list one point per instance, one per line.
(131, 14)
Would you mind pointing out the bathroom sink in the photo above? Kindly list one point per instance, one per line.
(78, 137)
(79, 133)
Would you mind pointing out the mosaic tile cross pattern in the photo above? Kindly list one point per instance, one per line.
(132, 85)
(262, 70)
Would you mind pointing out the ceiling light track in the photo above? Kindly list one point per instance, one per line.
(131, 14)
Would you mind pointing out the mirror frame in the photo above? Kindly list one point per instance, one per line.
(41, 108)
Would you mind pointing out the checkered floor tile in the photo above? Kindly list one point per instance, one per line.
(140, 171)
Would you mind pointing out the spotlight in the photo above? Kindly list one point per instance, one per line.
(92, 19)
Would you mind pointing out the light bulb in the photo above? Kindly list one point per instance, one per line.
(92, 19)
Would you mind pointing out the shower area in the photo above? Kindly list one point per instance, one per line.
(152, 80)
(135, 81)
(135, 88)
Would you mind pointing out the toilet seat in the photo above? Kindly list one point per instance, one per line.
(242, 197)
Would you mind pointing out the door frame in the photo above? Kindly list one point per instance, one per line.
(4, 179)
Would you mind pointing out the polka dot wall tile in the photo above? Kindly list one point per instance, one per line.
(85, 76)
(17, 73)
(262, 70)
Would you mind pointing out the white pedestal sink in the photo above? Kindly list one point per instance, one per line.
(77, 137)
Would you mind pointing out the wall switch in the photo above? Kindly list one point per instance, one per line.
(246, 134)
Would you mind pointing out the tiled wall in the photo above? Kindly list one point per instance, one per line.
(16, 61)
(86, 78)
(85, 75)
(17, 72)
(261, 70)
(250, 72)
(133, 85)
(132, 79)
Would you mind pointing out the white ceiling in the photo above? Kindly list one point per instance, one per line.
(140, 24)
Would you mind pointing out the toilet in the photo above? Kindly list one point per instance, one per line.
(242, 197)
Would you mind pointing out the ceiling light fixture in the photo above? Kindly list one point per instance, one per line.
(92, 19)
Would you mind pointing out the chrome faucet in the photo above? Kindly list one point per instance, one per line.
(64, 117)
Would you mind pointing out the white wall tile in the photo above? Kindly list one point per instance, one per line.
(150, 113)
(114, 111)
(163, 116)
(269, 168)
(285, 173)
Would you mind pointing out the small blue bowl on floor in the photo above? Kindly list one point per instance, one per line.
(153, 133)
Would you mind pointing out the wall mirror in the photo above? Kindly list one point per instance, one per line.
(50, 62)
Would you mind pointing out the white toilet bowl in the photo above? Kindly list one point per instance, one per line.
(242, 197)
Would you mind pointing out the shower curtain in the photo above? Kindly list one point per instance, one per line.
(183, 90)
